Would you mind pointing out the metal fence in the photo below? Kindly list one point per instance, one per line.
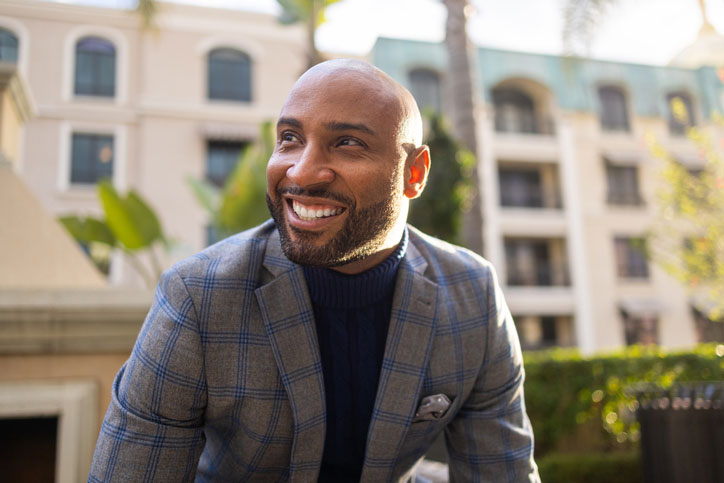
(682, 432)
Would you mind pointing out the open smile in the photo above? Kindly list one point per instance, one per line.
(313, 214)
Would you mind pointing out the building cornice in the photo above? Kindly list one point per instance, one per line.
(70, 321)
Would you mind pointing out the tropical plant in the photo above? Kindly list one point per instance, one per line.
(240, 204)
(463, 88)
(129, 224)
(439, 210)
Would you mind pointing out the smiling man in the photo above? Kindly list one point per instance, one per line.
(335, 342)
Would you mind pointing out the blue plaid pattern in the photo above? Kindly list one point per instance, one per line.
(225, 381)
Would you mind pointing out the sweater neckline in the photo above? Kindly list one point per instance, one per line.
(332, 289)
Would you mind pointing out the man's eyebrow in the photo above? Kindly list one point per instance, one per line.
(347, 126)
(289, 121)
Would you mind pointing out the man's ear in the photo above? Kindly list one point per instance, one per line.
(416, 171)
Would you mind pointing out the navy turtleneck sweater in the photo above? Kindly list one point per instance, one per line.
(352, 314)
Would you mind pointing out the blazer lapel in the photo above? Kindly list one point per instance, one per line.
(289, 320)
(407, 350)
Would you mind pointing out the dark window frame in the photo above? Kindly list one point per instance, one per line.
(520, 187)
(515, 111)
(86, 165)
(622, 185)
(229, 75)
(425, 86)
(613, 115)
(640, 329)
(222, 156)
(9, 46)
(630, 256)
(95, 67)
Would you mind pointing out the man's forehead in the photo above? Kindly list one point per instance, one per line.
(353, 91)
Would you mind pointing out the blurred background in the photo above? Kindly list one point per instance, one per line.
(575, 144)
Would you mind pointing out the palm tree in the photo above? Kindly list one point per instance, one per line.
(463, 91)
(311, 12)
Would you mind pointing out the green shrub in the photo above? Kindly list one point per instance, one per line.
(586, 404)
(591, 468)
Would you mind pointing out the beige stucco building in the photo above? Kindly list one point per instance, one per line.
(569, 184)
(148, 108)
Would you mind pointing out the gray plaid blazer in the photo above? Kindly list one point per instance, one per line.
(225, 381)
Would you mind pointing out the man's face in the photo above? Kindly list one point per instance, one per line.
(334, 181)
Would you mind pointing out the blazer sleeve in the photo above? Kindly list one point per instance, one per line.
(152, 430)
(491, 439)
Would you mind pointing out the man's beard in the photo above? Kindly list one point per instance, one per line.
(364, 231)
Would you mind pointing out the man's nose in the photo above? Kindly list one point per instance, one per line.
(312, 167)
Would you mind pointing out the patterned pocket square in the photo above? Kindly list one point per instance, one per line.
(432, 408)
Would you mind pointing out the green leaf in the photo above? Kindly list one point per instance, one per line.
(88, 230)
(120, 218)
(144, 218)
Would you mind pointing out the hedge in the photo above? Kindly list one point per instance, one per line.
(585, 404)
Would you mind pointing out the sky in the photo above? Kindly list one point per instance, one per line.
(639, 31)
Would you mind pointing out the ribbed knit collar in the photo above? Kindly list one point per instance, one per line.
(332, 289)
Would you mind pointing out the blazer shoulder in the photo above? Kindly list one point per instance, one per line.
(231, 257)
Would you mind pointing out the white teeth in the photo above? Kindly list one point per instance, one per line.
(306, 214)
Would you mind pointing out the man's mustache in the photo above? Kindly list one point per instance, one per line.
(317, 193)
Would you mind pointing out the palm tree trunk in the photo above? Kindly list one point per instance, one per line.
(464, 97)
(313, 56)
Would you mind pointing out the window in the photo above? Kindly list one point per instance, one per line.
(678, 120)
(95, 67)
(623, 185)
(614, 116)
(535, 262)
(8, 46)
(91, 158)
(229, 75)
(425, 87)
(640, 329)
(631, 257)
(707, 329)
(514, 111)
(520, 188)
(221, 159)
(538, 332)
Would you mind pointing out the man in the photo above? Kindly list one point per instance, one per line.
(334, 343)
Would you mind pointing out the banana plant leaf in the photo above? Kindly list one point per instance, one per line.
(131, 220)
(87, 230)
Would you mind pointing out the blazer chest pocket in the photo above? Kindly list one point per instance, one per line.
(434, 412)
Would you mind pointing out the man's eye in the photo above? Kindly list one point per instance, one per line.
(289, 137)
(350, 142)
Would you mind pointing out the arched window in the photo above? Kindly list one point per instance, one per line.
(514, 111)
(8, 46)
(679, 121)
(425, 88)
(614, 115)
(229, 75)
(95, 67)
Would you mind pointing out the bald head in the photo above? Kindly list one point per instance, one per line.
(372, 85)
